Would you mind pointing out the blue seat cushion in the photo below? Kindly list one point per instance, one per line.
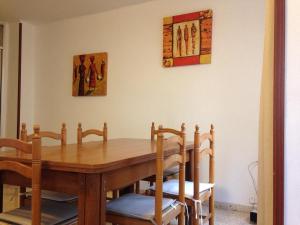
(172, 187)
(137, 206)
(171, 171)
(52, 213)
(55, 196)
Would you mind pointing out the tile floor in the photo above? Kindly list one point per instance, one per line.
(228, 217)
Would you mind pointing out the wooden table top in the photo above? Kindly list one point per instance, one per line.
(92, 157)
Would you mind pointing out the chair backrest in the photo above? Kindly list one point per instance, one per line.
(156, 131)
(199, 152)
(81, 134)
(62, 136)
(153, 131)
(163, 163)
(32, 172)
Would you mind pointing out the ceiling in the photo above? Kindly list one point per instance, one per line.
(43, 11)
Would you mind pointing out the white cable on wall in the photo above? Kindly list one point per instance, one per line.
(251, 166)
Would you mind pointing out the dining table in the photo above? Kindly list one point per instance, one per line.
(91, 169)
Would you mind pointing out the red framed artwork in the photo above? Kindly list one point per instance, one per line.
(187, 39)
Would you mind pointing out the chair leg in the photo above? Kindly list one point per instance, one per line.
(126, 190)
(1, 197)
(22, 196)
(194, 220)
(212, 207)
(115, 194)
(181, 218)
(137, 187)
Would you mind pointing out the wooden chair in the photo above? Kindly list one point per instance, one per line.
(195, 192)
(207, 193)
(170, 171)
(101, 133)
(62, 137)
(136, 209)
(39, 213)
(81, 134)
(167, 173)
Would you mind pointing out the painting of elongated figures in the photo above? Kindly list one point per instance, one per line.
(187, 39)
(90, 74)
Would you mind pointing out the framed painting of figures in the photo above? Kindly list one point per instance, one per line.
(187, 39)
(90, 74)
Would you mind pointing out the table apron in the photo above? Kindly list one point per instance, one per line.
(66, 182)
(120, 178)
(123, 177)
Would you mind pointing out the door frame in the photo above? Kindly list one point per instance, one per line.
(19, 81)
(278, 112)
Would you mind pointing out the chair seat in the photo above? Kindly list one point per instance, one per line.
(138, 206)
(167, 173)
(171, 171)
(55, 196)
(172, 187)
(52, 213)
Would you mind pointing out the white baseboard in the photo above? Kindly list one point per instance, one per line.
(233, 206)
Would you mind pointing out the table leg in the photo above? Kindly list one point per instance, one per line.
(92, 200)
(81, 199)
(93, 189)
(103, 191)
(1, 195)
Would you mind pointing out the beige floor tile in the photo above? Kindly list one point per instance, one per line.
(228, 217)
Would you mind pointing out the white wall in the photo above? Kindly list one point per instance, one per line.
(140, 90)
(10, 77)
(28, 71)
(10, 80)
(292, 140)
